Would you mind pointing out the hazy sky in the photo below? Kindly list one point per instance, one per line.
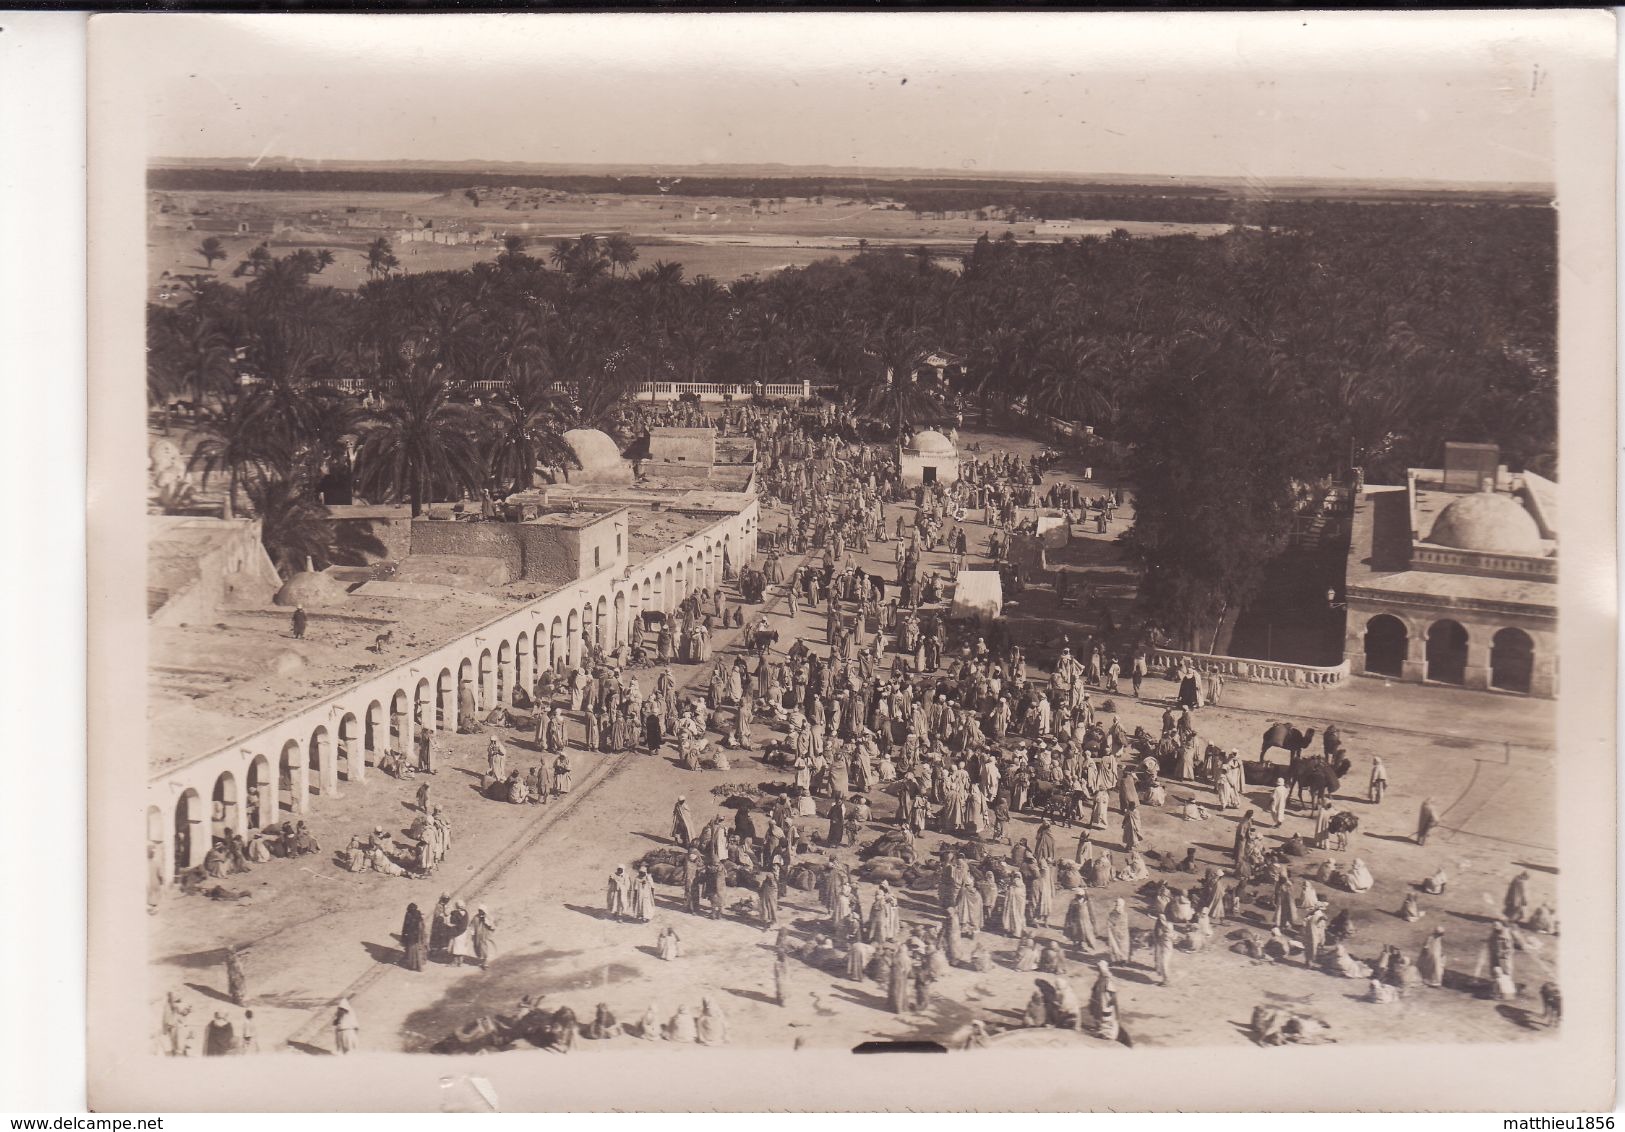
(1430, 96)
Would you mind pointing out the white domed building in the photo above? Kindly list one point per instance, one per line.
(928, 457)
(1452, 578)
(600, 457)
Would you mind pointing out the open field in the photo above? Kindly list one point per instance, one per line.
(722, 237)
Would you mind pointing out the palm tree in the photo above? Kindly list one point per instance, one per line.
(199, 364)
(211, 250)
(279, 280)
(525, 434)
(563, 254)
(894, 396)
(233, 439)
(324, 260)
(420, 442)
(1071, 382)
(255, 262)
(293, 526)
(380, 258)
(513, 257)
(621, 252)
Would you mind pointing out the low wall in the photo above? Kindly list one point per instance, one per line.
(437, 538)
(1255, 671)
(363, 540)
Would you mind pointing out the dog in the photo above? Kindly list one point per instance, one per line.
(381, 640)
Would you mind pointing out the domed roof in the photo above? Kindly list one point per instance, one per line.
(929, 442)
(312, 589)
(1488, 521)
(599, 455)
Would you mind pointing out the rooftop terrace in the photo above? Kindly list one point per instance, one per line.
(209, 683)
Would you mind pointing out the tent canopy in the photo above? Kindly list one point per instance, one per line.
(978, 594)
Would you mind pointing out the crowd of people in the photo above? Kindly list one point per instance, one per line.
(916, 756)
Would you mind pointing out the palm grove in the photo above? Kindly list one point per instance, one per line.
(1228, 369)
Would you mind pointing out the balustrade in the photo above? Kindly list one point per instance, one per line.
(1256, 671)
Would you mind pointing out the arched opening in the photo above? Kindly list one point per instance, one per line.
(261, 793)
(1447, 652)
(188, 819)
(669, 601)
(523, 676)
(1385, 645)
(352, 761)
(465, 683)
(504, 687)
(618, 625)
(572, 638)
(373, 734)
(422, 705)
(487, 685)
(658, 604)
(557, 648)
(399, 724)
(445, 702)
(291, 777)
(710, 567)
(539, 658)
(600, 628)
(1512, 660)
(224, 814)
(323, 775)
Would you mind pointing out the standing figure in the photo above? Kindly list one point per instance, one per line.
(1379, 780)
(1426, 819)
(619, 892)
(236, 978)
(346, 1029)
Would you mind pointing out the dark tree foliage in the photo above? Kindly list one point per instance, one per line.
(1315, 337)
(1217, 449)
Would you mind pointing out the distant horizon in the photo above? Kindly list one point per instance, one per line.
(790, 169)
(1265, 99)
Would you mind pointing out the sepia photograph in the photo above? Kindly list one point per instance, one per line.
(695, 543)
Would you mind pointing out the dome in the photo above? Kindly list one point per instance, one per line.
(1488, 521)
(932, 443)
(311, 589)
(600, 458)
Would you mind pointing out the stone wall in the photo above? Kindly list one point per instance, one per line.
(683, 446)
(363, 540)
(439, 538)
(549, 554)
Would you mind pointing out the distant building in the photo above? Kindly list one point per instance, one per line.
(696, 446)
(1452, 577)
(944, 364)
(232, 227)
